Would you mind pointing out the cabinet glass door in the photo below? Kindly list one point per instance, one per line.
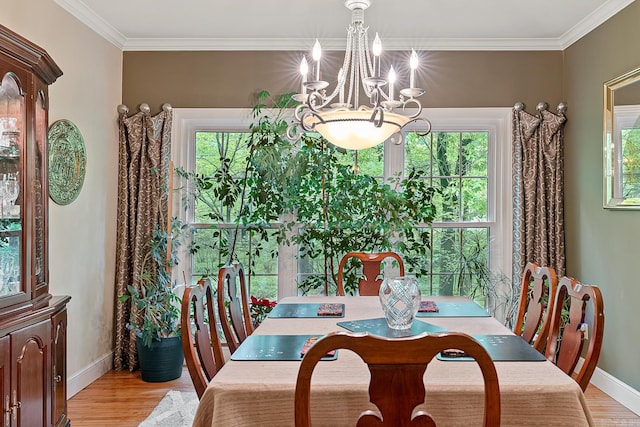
(12, 126)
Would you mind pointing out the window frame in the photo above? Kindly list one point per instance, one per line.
(497, 121)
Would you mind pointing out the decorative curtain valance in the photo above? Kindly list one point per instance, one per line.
(143, 171)
(538, 188)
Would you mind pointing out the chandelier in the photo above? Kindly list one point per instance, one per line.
(337, 115)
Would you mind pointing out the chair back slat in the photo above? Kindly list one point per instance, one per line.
(200, 341)
(537, 292)
(565, 347)
(233, 305)
(370, 283)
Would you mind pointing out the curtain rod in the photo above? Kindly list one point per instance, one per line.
(144, 108)
(542, 106)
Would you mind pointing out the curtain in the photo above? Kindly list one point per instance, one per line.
(144, 153)
(538, 192)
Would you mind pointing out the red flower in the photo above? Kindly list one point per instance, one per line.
(260, 308)
(262, 302)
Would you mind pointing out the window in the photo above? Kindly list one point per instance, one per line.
(467, 152)
(457, 162)
(214, 243)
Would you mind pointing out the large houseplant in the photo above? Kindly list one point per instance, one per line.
(156, 318)
(323, 204)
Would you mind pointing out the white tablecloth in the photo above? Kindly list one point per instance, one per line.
(261, 393)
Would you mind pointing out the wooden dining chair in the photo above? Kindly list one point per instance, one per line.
(200, 341)
(233, 305)
(537, 293)
(565, 344)
(397, 367)
(369, 284)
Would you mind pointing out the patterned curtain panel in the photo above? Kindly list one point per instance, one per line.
(538, 193)
(144, 153)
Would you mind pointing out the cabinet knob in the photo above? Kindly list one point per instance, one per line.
(57, 378)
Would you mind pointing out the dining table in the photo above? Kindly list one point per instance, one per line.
(256, 387)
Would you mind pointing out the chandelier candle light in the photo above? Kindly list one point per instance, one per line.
(341, 123)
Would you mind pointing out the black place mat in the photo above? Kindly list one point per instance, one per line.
(300, 310)
(504, 348)
(379, 327)
(273, 347)
(456, 309)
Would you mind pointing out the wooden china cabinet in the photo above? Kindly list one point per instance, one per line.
(33, 323)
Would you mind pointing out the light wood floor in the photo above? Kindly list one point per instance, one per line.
(122, 399)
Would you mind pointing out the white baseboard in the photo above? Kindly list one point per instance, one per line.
(625, 395)
(81, 379)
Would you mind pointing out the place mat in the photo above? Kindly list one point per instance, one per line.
(379, 327)
(456, 309)
(503, 348)
(303, 310)
(274, 347)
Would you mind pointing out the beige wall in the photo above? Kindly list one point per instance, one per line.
(232, 79)
(81, 234)
(602, 245)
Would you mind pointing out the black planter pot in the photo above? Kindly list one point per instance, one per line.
(162, 361)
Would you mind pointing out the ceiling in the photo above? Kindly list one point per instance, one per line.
(294, 24)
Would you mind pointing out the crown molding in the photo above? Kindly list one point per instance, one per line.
(266, 44)
(592, 21)
(88, 17)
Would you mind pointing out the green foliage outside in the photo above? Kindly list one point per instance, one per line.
(311, 191)
(261, 190)
(458, 165)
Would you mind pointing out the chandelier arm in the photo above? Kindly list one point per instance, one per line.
(352, 79)
(397, 138)
(356, 75)
(420, 132)
(374, 98)
(370, 61)
(297, 112)
(293, 131)
(384, 95)
(417, 104)
(345, 66)
(316, 101)
(364, 60)
(304, 122)
(377, 116)
(427, 122)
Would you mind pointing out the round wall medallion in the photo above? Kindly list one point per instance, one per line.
(67, 162)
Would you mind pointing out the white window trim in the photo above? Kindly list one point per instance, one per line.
(500, 214)
(495, 120)
(186, 121)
